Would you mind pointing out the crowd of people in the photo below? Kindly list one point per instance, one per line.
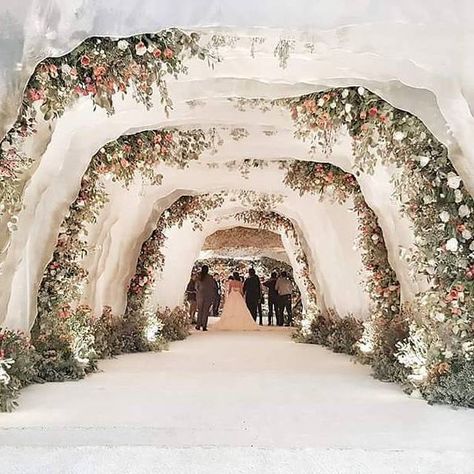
(205, 294)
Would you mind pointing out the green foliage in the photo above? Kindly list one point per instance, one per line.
(174, 324)
(17, 367)
(339, 334)
(456, 387)
(108, 334)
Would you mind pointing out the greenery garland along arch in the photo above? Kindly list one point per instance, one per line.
(99, 68)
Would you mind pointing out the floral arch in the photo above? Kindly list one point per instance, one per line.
(113, 88)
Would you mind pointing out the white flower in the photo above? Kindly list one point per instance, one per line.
(66, 69)
(361, 90)
(375, 237)
(333, 105)
(398, 136)
(444, 216)
(448, 354)
(320, 102)
(464, 211)
(122, 45)
(471, 247)
(466, 233)
(348, 108)
(424, 160)
(140, 49)
(453, 180)
(428, 199)
(345, 93)
(6, 146)
(452, 245)
(468, 347)
(457, 196)
(4, 376)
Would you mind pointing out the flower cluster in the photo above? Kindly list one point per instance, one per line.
(339, 334)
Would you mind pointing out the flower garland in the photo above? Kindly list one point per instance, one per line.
(99, 68)
(434, 198)
(326, 180)
(64, 277)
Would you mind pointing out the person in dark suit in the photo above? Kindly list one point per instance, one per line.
(205, 296)
(217, 302)
(252, 292)
(273, 300)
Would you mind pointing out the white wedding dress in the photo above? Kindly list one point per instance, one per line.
(235, 314)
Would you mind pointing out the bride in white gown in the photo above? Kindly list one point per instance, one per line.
(235, 314)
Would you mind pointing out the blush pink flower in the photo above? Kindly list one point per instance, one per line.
(168, 53)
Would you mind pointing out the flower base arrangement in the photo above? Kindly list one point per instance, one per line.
(18, 361)
(341, 335)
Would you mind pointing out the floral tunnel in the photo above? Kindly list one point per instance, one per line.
(404, 173)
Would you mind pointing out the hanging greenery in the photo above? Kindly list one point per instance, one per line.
(101, 69)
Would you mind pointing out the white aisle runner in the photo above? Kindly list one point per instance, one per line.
(233, 402)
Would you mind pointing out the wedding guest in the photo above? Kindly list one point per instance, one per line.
(191, 298)
(272, 299)
(205, 295)
(259, 306)
(217, 302)
(252, 292)
(284, 288)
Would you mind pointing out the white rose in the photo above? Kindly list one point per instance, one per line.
(122, 45)
(398, 136)
(66, 69)
(439, 317)
(464, 211)
(444, 216)
(320, 102)
(375, 237)
(361, 90)
(453, 180)
(333, 105)
(466, 233)
(345, 93)
(452, 245)
(424, 160)
(457, 196)
(140, 49)
(467, 346)
(428, 199)
(448, 354)
(348, 108)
